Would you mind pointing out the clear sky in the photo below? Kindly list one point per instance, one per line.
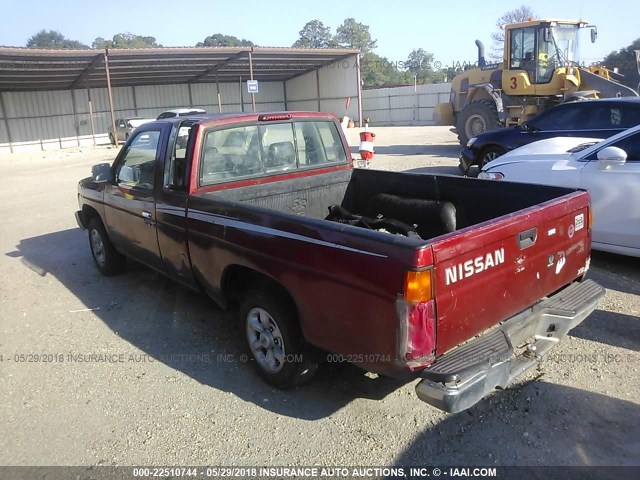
(445, 28)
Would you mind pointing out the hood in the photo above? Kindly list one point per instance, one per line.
(551, 149)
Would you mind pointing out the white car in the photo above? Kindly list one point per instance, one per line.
(180, 112)
(609, 169)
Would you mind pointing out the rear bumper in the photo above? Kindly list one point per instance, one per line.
(464, 376)
(80, 220)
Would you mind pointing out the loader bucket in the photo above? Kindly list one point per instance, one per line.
(606, 88)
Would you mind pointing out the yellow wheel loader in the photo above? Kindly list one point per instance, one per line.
(540, 68)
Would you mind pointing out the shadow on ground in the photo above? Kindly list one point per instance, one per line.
(168, 322)
(585, 427)
(442, 151)
(620, 273)
(616, 272)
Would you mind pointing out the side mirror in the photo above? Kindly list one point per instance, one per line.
(101, 173)
(129, 175)
(610, 157)
(594, 34)
(546, 34)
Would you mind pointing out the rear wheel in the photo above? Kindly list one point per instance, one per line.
(108, 260)
(274, 339)
(476, 118)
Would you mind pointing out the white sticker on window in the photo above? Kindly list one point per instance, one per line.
(579, 222)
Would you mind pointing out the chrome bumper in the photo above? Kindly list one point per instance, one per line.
(465, 375)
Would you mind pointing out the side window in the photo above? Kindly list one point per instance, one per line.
(137, 167)
(318, 143)
(278, 147)
(630, 116)
(523, 43)
(604, 117)
(174, 175)
(631, 145)
(230, 153)
(569, 117)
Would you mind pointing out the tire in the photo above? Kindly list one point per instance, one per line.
(489, 154)
(476, 118)
(108, 260)
(274, 340)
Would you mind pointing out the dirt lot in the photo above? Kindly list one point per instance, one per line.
(135, 369)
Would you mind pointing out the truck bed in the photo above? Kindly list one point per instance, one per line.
(460, 220)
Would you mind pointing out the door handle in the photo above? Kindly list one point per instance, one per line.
(527, 238)
(147, 217)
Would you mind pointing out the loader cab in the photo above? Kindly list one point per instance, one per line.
(535, 51)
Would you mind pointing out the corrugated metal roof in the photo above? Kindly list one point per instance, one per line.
(25, 69)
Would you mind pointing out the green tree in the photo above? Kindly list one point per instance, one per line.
(126, 40)
(221, 40)
(420, 63)
(520, 14)
(352, 34)
(377, 71)
(449, 72)
(53, 39)
(314, 35)
(627, 62)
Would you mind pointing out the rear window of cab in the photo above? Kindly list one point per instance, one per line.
(266, 149)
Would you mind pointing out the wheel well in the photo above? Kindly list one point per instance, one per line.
(90, 213)
(479, 94)
(492, 146)
(237, 280)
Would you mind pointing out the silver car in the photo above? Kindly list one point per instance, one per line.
(180, 112)
(124, 127)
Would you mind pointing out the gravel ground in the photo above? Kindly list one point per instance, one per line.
(142, 371)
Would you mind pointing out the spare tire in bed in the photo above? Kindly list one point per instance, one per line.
(432, 217)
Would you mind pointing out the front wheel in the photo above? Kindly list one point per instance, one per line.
(489, 154)
(274, 339)
(108, 260)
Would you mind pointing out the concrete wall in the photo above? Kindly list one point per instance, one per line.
(403, 105)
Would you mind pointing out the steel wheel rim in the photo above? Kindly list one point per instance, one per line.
(475, 125)
(97, 247)
(265, 340)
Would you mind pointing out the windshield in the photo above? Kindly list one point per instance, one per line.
(563, 48)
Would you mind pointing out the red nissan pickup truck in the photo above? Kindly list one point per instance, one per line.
(461, 282)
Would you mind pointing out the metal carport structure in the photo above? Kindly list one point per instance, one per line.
(189, 69)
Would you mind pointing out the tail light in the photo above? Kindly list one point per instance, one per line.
(417, 318)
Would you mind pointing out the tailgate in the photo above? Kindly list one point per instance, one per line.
(487, 273)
